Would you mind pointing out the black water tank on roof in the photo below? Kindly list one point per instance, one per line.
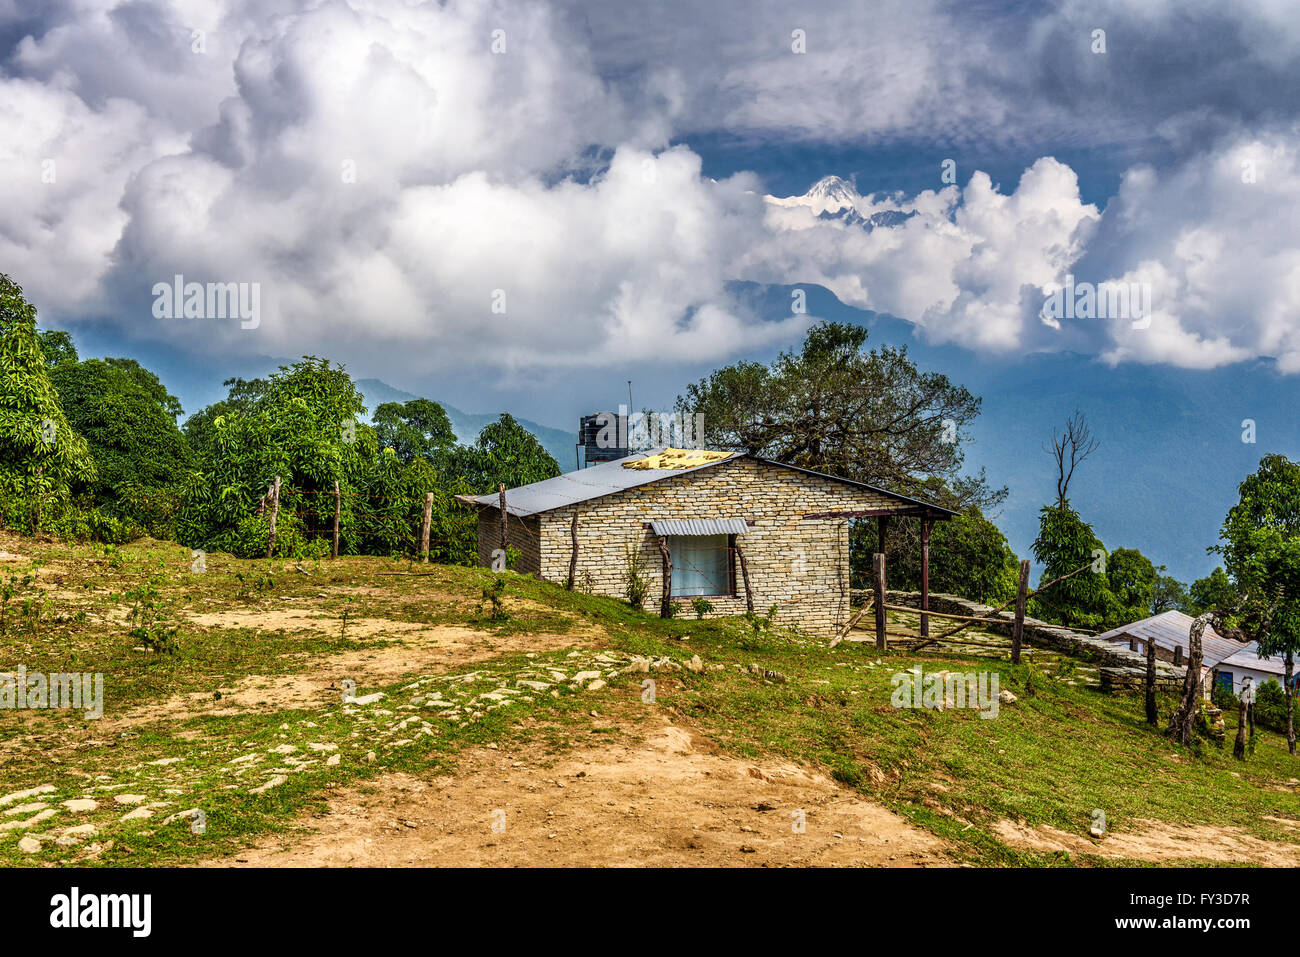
(603, 437)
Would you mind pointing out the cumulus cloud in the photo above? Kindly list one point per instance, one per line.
(429, 186)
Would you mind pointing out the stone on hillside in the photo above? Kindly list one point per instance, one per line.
(273, 783)
(30, 792)
(596, 685)
(138, 814)
(81, 804)
(27, 808)
(585, 676)
(695, 664)
(332, 760)
(1006, 697)
(28, 822)
(29, 845)
(130, 798)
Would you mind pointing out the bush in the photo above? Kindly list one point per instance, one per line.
(637, 586)
(248, 539)
(1270, 706)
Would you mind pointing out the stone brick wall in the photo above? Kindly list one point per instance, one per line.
(801, 566)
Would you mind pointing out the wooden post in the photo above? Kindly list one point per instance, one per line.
(505, 535)
(40, 499)
(744, 574)
(667, 590)
(573, 557)
(878, 582)
(926, 525)
(426, 526)
(275, 513)
(1018, 629)
(338, 507)
(1153, 714)
(1239, 746)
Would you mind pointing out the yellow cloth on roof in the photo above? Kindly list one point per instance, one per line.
(677, 459)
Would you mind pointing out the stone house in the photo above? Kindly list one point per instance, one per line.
(741, 531)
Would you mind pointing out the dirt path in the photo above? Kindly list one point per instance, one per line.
(671, 800)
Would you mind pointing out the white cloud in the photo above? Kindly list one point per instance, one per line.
(541, 174)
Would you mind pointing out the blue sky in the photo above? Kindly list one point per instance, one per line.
(521, 205)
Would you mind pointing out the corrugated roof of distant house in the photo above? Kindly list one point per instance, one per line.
(1170, 629)
(608, 478)
(1249, 657)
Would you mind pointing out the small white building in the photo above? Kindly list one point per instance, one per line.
(1245, 664)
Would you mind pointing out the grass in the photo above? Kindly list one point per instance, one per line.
(1053, 757)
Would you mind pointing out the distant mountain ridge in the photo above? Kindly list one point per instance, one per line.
(467, 425)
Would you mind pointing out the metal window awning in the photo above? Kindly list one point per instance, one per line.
(700, 526)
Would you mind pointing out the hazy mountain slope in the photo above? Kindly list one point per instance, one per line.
(467, 425)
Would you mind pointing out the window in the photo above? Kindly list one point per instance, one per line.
(701, 565)
(1225, 680)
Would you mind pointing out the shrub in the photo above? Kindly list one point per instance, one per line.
(637, 587)
(702, 606)
(1270, 706)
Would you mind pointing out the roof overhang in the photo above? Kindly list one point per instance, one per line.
(700, 526)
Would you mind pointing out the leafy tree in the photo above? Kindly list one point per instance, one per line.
(1064, 543)
(835, 407)
(1131, 579)
(294, 425)
(505, 452)
(419, 428)
(41, 455)
(128, 420)
(1215, 590)
(1168, 593)
(1260, 544)
(57, 346)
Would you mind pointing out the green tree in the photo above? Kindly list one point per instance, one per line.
(299, 424)
(505, 452)
(1131, 580)
(1215, 590)
(1064, 543)
(129, 422)
(1168, 593)
(416, 429)
(836, 407)
(41, 455)
(1260, 545)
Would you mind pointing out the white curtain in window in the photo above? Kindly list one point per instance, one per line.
(701, 565)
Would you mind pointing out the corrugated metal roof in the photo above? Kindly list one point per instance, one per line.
(610, 477)
(582, 485)
(1249, 657)
(700, 526)
(1171, 629)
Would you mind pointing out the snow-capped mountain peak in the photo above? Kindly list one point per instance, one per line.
(833, 194)
(830, 194)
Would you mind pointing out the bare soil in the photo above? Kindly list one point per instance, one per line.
(669, 800)
(1159, 842)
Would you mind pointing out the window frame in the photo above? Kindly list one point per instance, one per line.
(730, 559)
